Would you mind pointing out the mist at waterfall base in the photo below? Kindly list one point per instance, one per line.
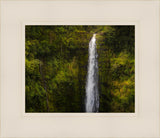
(92, 94)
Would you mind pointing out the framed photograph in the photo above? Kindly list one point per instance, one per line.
(87, 66)
(79, 68)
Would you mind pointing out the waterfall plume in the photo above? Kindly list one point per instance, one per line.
(92, 93)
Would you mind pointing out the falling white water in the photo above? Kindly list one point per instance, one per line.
(92, 94)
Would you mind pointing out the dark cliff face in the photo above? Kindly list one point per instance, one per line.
(56, 67)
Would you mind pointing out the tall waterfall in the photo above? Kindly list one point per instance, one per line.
(92, 94)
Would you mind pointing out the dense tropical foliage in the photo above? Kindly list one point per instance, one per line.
(56, 67)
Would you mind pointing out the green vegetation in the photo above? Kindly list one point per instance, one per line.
(56, 68)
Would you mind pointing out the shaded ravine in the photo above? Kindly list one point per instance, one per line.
(92, 94)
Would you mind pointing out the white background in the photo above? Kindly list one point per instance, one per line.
(145, 14)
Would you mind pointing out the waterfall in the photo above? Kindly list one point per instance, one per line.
(92, 94)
